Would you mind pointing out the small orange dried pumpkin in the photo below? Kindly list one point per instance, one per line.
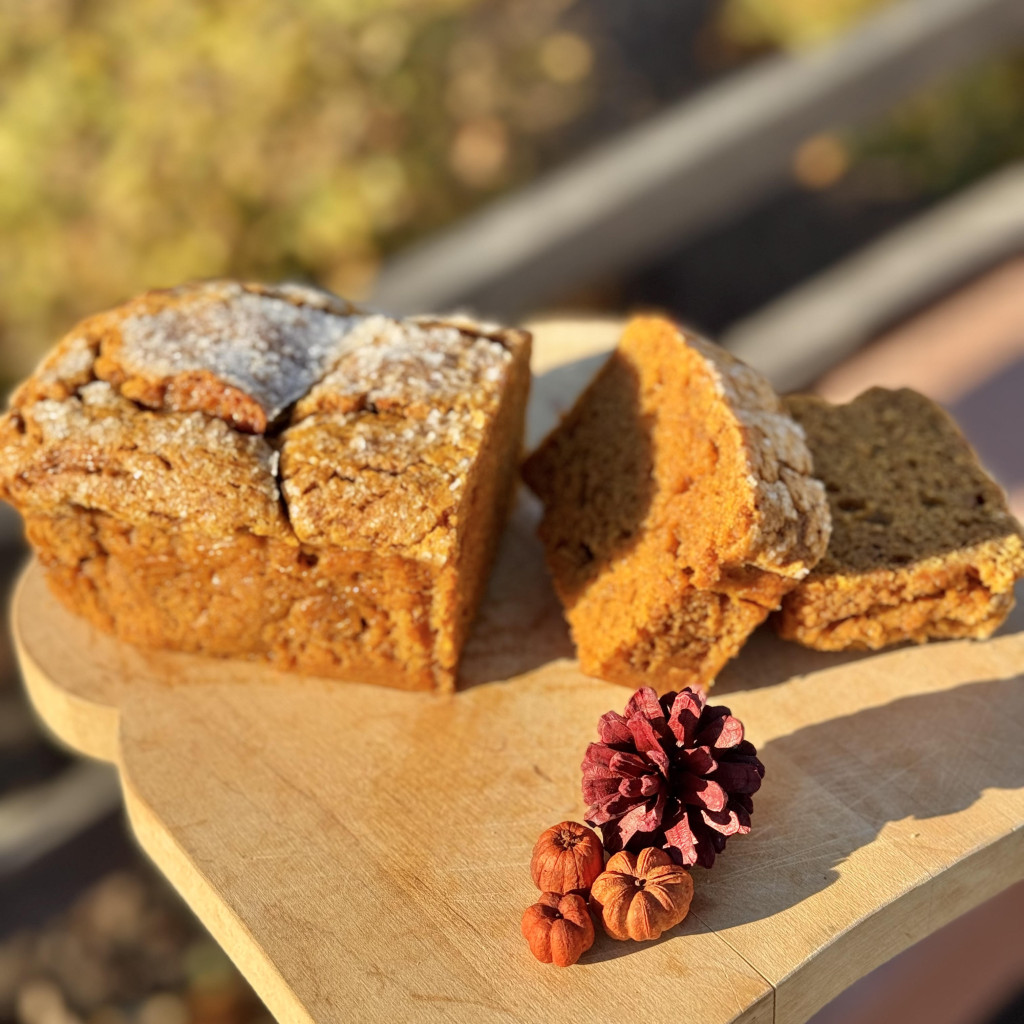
(639, 897)
(558, 928)
(567, 857)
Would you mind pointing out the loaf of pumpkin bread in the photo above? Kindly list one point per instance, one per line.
(923, 545)
(251, 471)
(679, 508)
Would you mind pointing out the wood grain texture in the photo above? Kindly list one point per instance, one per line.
(363, 853)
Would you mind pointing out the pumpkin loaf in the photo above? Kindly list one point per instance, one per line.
(678, 509)
(923, 545)
(250, 471)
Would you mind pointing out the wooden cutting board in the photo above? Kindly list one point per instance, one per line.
(363, 854)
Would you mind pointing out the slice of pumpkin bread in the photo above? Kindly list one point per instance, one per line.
(923, 545)
(678, 509)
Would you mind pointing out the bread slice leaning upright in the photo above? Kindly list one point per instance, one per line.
(679, 508)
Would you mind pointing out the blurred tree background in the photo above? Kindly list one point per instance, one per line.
(142, 144)
(932, 144)
(791, 23)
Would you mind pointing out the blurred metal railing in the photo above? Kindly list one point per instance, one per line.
(44, 801)
(38, 819)
(797, 337)
(707, 158)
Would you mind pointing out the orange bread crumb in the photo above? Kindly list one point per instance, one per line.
(678, 509)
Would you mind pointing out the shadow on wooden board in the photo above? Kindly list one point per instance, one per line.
(903, 761)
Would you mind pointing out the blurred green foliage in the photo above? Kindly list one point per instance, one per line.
(948, 135)
(940, 139)
(143, 143)
(791, 24)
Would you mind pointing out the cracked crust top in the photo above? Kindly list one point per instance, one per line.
(280, 411)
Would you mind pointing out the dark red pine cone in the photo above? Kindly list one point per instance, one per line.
(674, 773)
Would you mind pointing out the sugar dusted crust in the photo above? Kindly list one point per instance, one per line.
(97, 450)
(244, 353)
(678, 509)
(380, 451)
(333, 455)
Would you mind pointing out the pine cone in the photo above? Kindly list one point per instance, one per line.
(672, 773)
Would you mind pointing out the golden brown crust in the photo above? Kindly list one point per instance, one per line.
(97, 450)
(326, 612)
(679, 508)
(240, 352)
(380, 450)
(923, 544)
(335, 459)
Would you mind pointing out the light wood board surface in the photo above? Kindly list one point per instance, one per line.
(362, 854)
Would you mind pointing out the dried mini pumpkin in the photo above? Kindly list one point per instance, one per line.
(567, 857)
(558, 928)
(639, 897)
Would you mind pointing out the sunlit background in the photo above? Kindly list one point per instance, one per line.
(145, 143)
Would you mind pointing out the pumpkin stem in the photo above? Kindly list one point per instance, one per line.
(567, 840)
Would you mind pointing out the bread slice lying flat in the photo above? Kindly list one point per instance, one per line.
(923, 545)
(678, 509)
